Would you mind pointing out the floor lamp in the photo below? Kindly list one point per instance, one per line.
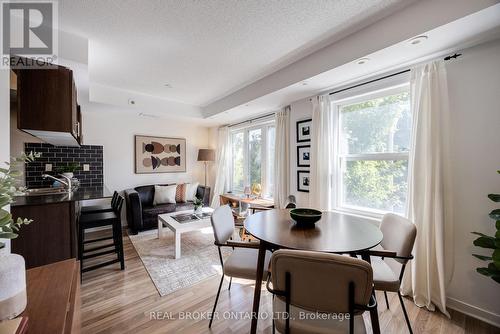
(206, 155)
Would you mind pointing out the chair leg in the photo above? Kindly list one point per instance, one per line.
(216, 300)
(115, 240)
(230, 282)
(119, 238)
(386, 299)
(118, 242)
(81, 234)
(404, 312)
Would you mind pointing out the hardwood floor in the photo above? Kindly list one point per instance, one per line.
(115, 301)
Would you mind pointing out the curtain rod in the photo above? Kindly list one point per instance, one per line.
(251, 120)
(454, 56)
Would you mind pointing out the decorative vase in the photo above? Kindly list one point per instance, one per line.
(13, 285)
(198, 209)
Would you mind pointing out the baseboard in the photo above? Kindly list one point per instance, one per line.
(473, 311)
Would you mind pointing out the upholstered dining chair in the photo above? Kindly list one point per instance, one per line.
(242, 262)
(307, 284)
(389, 259)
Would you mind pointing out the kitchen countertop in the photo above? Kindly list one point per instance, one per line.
(81, 194)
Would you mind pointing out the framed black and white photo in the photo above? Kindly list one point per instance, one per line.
(304, 156)
(304, 130)
(303, 180)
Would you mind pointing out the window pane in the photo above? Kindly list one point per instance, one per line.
(238, 161)
(377, 125)
(255, 154)
(271, 139)
(376, 184)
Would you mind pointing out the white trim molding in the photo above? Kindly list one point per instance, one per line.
(473, 311)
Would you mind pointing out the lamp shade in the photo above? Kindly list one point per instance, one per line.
(206, 154)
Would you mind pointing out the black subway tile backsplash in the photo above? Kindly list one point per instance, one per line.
(60, 156)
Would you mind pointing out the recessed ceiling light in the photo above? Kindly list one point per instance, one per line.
(362, 61)
(148, 115)
(418, 39)
(131, 101)
(168, 85)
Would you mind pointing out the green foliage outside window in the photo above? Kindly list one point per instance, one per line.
(380, 125)
(238, 161)
(255, 154)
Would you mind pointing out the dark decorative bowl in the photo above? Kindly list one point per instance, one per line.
(305, 216)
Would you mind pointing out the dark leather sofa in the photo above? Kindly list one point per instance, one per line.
(143, 215)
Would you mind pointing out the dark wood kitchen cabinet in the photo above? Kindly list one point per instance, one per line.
(51, 237)
(47, 105)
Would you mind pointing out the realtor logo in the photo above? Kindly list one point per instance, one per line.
(29, 30)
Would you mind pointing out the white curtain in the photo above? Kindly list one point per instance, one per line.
(429, 186)
(222, 159)
(323, 139)
(281, 157)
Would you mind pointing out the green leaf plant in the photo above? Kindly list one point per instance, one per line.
(9, 176)
(198, 202)
(492, 243)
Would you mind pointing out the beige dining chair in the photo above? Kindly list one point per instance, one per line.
(320, 292)
(242, 262)
(389, 259)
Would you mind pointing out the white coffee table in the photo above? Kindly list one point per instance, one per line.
(179, 228)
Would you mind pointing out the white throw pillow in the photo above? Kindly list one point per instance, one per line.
(164, 194)
(191, 191)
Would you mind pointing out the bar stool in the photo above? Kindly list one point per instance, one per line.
(101, 219)
(100, 208)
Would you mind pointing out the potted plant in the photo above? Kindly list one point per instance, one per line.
(12, 266)
(198, 205)
(68, 169)
(492, 243)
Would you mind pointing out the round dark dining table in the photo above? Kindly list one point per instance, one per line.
(333, 233)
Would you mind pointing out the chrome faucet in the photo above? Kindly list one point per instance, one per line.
(67, 183)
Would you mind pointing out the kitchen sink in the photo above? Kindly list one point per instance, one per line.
(45, 191)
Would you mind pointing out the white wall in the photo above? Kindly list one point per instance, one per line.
(18, 138)
(4, 120)
(474, 88)
(115, 129)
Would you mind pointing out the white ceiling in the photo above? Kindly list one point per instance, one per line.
(458, 35)
(209, 48)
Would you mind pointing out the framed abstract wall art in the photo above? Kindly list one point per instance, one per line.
(159, 155)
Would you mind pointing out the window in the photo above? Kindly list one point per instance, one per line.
(373, 147)
(238, 143)
(253, 158)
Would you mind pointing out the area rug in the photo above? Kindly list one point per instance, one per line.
(199, 258)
